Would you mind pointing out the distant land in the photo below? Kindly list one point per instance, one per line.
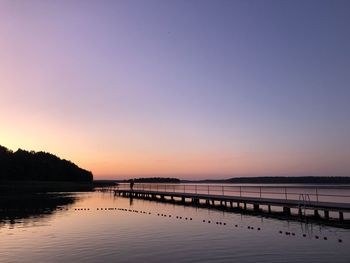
(32, 166)
(156, 180)
(238, 180)
(279, 180)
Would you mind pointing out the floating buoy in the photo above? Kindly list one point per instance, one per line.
(248, 227)
(304, 235)
(339, 240)
(217, 223)
(316, 237)
(191, 218)
(224, 224)
(293, 234)
(236, 225)
(203, 220)
(209, 221)
(258, 228)
(325, 238)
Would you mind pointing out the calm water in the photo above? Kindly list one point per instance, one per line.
(139, 234)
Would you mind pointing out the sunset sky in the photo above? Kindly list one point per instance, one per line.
(191, 89)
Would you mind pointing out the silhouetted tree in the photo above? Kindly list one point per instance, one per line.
(39, 166)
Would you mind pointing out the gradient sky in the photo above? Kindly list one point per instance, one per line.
(192, 89)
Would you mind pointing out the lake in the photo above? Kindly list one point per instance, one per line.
(101, 227)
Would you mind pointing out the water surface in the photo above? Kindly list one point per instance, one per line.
(100, 227)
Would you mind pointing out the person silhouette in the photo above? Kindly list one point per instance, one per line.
(132, 184)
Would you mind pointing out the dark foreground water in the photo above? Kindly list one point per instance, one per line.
(144, 231)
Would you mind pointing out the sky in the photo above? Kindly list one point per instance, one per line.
(190, 89)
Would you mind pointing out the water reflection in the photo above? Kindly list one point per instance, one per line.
(16, 207)
(99, 227)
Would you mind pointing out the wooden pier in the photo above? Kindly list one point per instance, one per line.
(319, 210)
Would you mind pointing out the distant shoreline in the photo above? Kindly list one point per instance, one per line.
(278, 180)
(335, 180)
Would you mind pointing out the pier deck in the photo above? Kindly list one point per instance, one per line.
(241, 202)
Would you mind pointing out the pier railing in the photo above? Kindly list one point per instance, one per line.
(337, 194)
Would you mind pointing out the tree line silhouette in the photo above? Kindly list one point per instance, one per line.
(281, 180)
(39, 166)
(155, 180)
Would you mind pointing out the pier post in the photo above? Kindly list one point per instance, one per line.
(326, 214)
(341, 216)
(256, 207)
(316, 214)
(269, 209)
(286, 210)
(183, 199)
(245, 206)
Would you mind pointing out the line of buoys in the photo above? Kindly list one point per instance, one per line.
(304, 235)
(186, 218)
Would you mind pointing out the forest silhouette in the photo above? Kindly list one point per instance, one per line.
(23, 165)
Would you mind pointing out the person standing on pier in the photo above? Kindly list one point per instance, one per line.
(132, 182)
